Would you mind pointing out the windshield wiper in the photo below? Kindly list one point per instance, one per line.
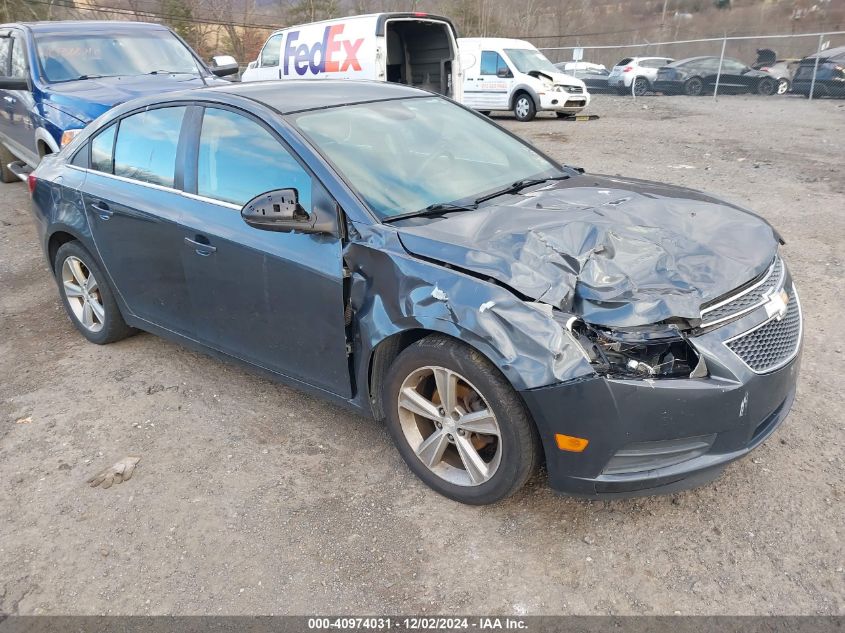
(518, 186)
(170, 72)
(438, 208)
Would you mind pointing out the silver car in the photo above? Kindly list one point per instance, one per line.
(636, 74)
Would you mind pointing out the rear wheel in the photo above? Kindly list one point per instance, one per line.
(694, 87)
(458, 423)
(87, 297)
(641, 86)
(523, 107)
(783, 86)
(767, 87)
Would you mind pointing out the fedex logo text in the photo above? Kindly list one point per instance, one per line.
(324, 56)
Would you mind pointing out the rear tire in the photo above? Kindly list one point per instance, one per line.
(767, 87)
(87, 297)
(783, 86)
(7, 157)
(479, 444)
(524, 108)
(694, 87)
(641, 86)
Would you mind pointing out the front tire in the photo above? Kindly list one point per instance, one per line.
(767, 87)
(87, 297)
(783, 86)
(523, 107)
(458, 423)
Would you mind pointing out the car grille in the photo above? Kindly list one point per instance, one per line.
(747, 299)
(772, 344)
(573, 89)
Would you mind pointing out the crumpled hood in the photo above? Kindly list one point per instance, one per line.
(616, 252)
(557, 78)
(89, 98)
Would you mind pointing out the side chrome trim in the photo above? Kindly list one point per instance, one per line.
(151, 185)
(763, 299)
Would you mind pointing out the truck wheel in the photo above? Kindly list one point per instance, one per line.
(523, 107)
(7, 157)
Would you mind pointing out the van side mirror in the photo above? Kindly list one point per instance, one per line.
(279, 210)
(503, 73)
(223, 65)
(14, 83)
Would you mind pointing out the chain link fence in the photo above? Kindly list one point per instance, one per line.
(812, 64)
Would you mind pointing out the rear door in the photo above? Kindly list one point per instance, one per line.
(734, 76)
(270, 298)
(17, 129)
(133, 206)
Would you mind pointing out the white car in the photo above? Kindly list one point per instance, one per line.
(506, 74)
(636, 74)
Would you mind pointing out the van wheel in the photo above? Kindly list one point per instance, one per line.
(458, 423)
(523, 107)
(7, 157)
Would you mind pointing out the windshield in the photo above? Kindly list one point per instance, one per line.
(528, 59)
(68, 57)
(405, 155)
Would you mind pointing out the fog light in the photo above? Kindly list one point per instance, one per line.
(571, 443)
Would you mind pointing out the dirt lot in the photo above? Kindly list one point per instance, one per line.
(253, 498)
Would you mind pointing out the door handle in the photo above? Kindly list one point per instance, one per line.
(102, 209)
(202, 248)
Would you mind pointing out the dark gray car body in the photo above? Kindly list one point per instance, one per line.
(327, 313)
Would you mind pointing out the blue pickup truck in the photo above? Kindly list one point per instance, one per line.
(56, 77)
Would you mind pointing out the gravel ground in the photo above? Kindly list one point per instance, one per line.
(253, 498)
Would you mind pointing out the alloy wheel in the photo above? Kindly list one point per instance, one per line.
(640, 86)
(449, 426)
(83, 294)
(783, 86)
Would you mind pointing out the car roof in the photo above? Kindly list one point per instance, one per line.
(832, 54)
(295, 95)
(678, 62)
(89, 26)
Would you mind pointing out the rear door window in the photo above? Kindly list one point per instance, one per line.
(146, 145)
(102, 151)
(239, 159)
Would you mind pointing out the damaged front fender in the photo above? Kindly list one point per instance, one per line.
(392, 292)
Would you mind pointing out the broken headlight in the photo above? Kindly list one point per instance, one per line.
(639, 353)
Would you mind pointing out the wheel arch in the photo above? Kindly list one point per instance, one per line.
(524, 88)
(389, 348)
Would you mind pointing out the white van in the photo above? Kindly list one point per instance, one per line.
(415, 49)
(505, 74)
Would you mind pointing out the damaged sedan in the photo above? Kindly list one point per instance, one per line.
(394, 252)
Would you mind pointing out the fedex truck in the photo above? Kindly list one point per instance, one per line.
(415, 49)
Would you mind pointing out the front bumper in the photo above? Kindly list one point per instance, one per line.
(561, 101)
(729, 413)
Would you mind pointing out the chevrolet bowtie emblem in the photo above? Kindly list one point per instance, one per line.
(776, 307)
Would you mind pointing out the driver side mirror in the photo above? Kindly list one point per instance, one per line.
(503, 73)
(279, 210)
(223, 65)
